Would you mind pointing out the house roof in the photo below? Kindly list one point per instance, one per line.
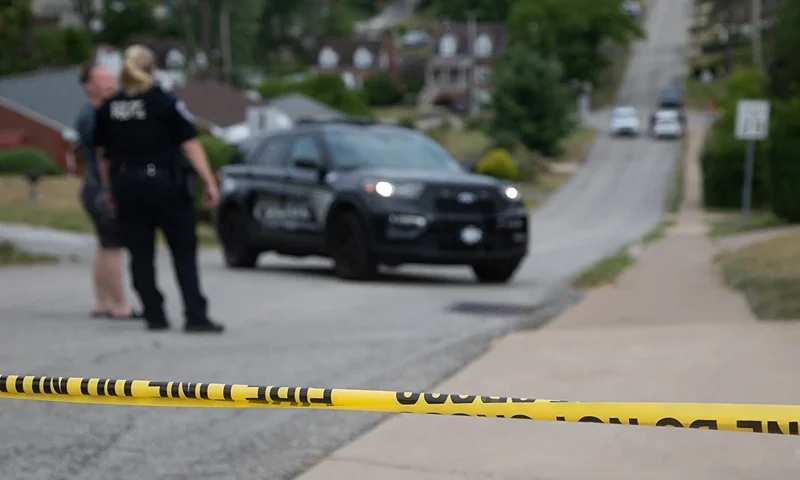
(495, 31)
(216, 102)
(298, 106)
(346, 48)
(54, 96)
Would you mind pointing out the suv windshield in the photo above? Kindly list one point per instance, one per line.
(388, 148)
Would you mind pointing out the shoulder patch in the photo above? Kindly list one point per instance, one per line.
(180, 107)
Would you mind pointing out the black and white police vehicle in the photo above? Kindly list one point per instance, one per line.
(365, 194)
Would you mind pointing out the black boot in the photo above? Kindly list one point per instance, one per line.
(203, 326)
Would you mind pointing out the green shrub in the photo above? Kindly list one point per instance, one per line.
(498, 163)
(272, 88)
(381, 90)
(505, 140)
(783, 160)
(219, 154)
(407, 122)
(24, 160)
(722, 159)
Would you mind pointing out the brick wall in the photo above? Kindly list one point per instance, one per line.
(36, 134)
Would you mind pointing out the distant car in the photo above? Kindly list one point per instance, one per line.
(366, 194)
(631, 7)
(624, 121)
(671, 98)
(416, 38)
(666, 124)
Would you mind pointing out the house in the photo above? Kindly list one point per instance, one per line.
(356, 59)
(233, 115)
(459, 69)
(39, 109)
(171, 62)
(63, 11)
(710, 33)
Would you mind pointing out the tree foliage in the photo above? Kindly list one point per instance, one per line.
(574, 31)
(24, 48)
(484, 10)
(531, 100)
(785, 67)
(326, 88)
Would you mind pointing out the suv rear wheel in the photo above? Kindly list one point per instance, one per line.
(497, 272)
(347, 242)
(233, 236)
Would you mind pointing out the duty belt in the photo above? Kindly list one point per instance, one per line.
(149, 170)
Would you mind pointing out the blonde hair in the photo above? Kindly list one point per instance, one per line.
(138, 70)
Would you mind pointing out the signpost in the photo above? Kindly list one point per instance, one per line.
(752, 125)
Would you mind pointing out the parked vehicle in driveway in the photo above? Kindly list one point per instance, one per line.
(666, 124)
(624, 121)
(364, 194)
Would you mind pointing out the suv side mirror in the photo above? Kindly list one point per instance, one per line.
(307, 163)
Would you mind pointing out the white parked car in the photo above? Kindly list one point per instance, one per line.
(631, 7)
(666, 124)
(625, 121)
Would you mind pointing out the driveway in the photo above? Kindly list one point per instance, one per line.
(291, 323)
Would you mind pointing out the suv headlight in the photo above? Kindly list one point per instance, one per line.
(511, 193)
(383, 188)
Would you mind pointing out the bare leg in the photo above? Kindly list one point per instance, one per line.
(113, 282)
(102, 303)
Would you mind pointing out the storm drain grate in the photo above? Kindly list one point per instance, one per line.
(499, 309)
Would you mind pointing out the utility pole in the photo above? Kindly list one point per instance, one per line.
(755, 12)
(225, 40)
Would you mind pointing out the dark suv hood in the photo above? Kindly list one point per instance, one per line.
(464, 179)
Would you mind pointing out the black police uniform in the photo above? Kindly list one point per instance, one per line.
(141, 136)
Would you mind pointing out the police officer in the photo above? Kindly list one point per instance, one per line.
(141, 134)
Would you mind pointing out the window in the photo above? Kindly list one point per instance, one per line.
(362, 59)
(272, 153)
(483, 46)
(306, 148)
(447, 46)
(328, 58)
(390, 148)
(483, 74)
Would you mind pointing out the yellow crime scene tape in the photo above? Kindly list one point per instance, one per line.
(776, 419)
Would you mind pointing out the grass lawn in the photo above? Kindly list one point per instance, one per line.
(461, 143)
(700, 95)
(10, 254)
(730, 222)
(396, 112)
(605, 271)
(676, 193)
(768, 274)
(58, 207)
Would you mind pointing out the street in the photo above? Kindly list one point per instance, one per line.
(291, 322)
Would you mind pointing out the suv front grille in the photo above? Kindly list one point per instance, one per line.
(454, 200)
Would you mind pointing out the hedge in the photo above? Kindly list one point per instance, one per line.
(784, 164)
(26, 160)
(498, 163)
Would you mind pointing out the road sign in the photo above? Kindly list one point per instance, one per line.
(752, 119)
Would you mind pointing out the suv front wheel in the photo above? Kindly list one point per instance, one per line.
(233, 237)
(347, 243)
(496, 272)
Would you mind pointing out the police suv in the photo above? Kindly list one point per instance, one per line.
(364, 194)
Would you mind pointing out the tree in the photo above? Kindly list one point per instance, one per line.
(783, 166)
(531, 100)
(86, 11)
(124, 20)
(484, 10)
(16, 30)
(574, 31)
(785, 68)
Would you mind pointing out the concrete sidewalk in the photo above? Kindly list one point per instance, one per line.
(667, 332)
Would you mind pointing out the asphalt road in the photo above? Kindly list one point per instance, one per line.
(292, 323)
